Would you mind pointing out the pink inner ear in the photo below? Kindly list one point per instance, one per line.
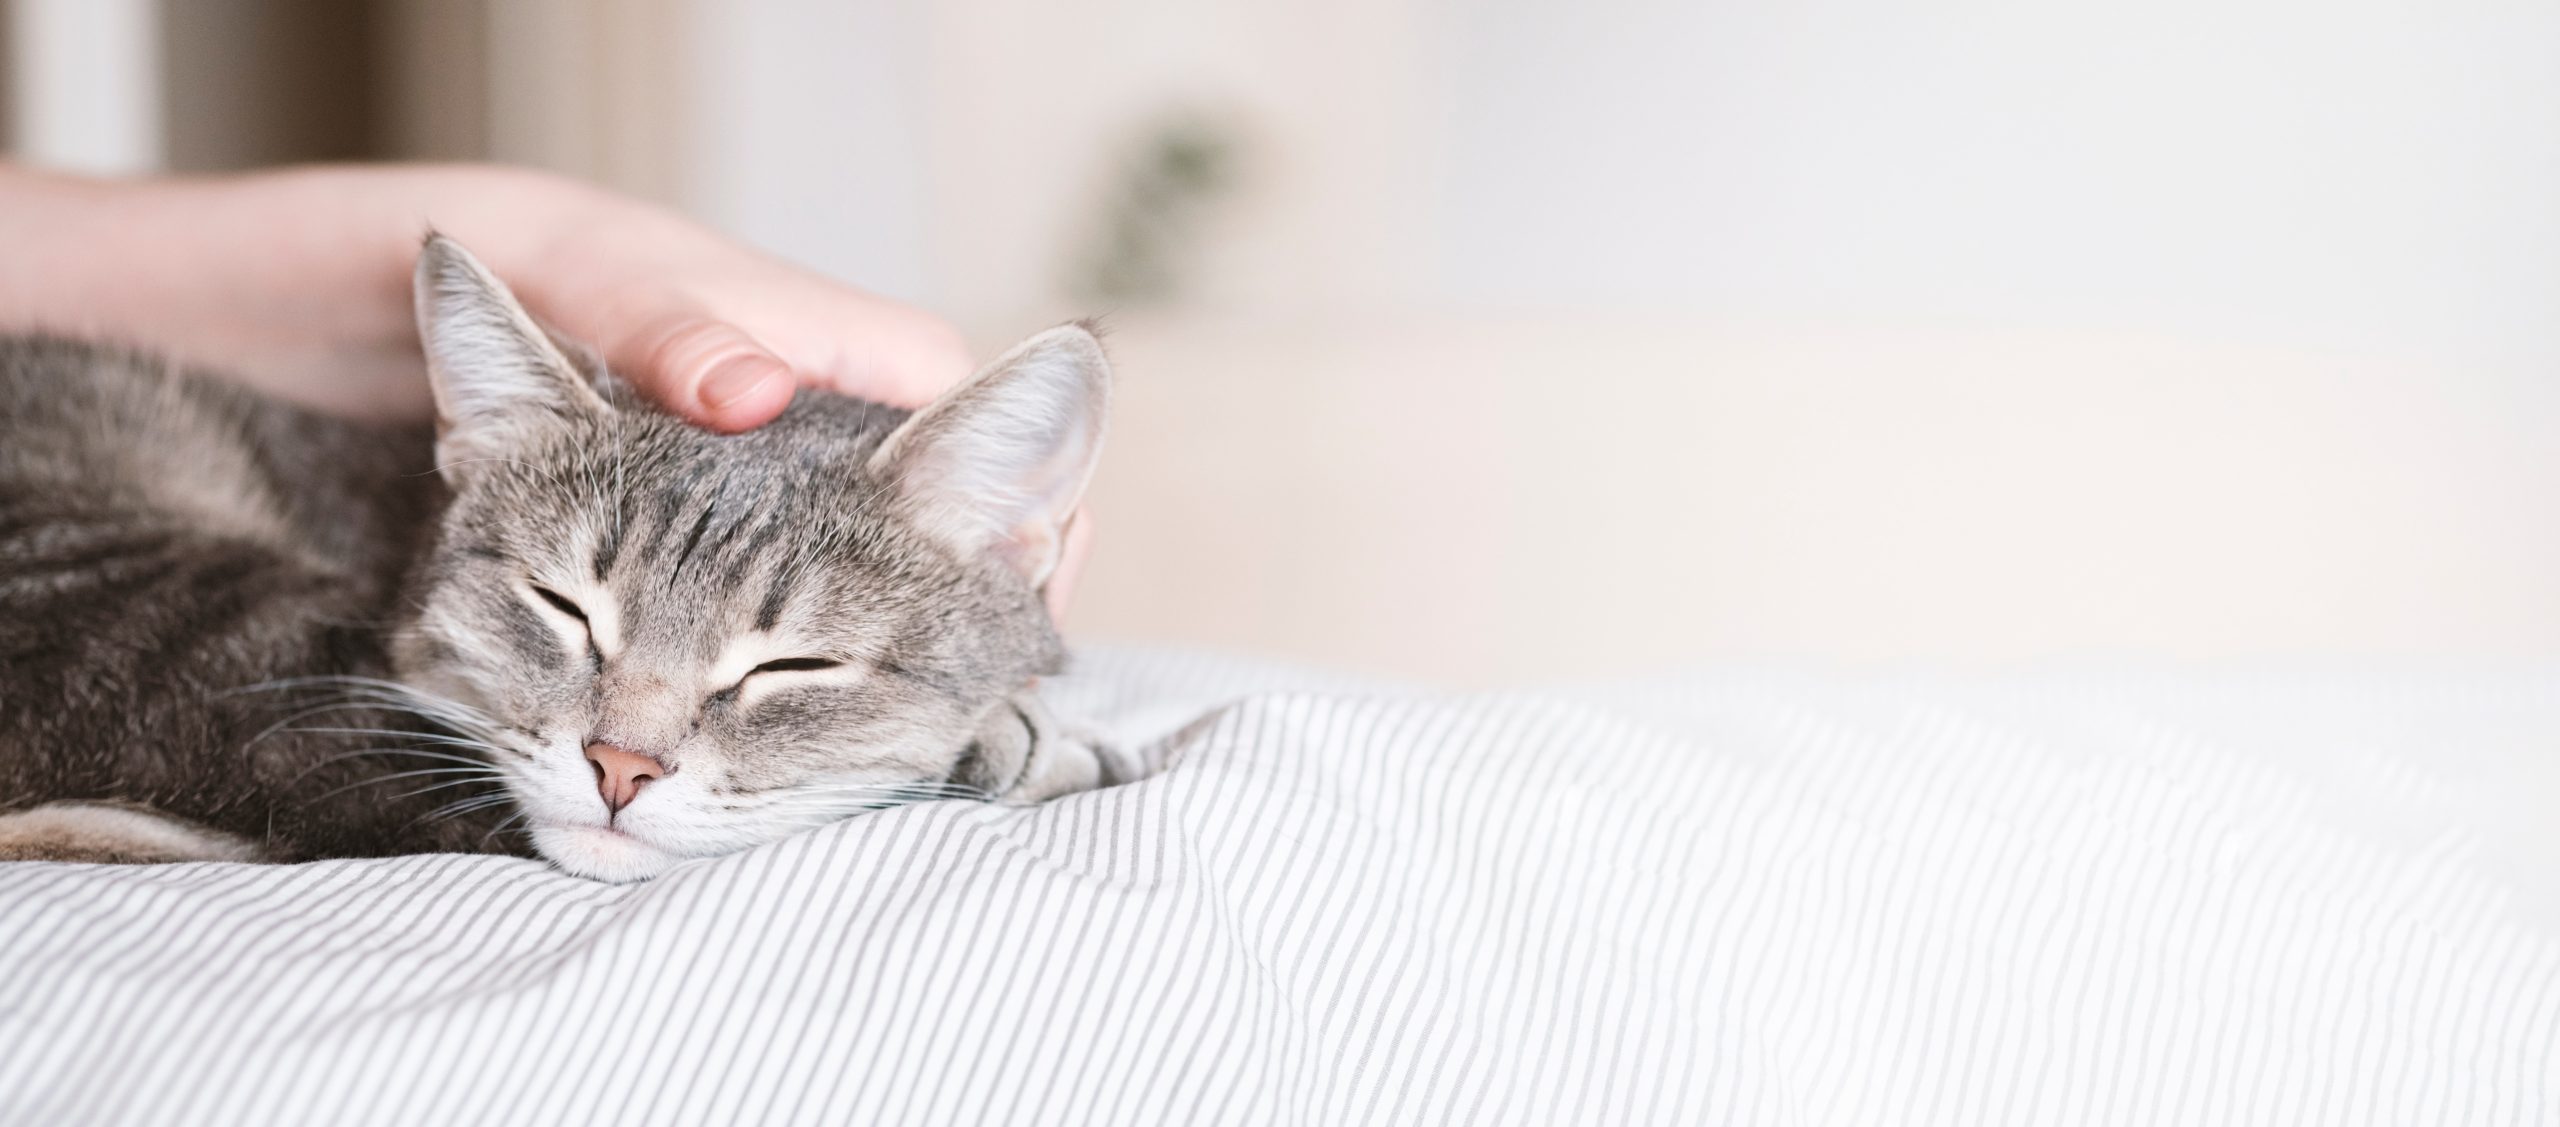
(1037, 538)
(998, 464)
(1032, 551)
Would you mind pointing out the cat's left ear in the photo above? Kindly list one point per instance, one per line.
(999, 463)
(498, 378)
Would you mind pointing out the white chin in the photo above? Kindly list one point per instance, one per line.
(598, 853)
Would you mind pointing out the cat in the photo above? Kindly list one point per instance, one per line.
(560, 621)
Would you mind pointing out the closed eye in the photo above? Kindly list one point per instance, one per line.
(559, 602)
(778, 665)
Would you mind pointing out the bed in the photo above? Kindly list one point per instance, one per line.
(1746, 897)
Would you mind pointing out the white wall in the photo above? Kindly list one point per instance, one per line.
(84, 89)
(2380, 175)
(810, 134)
(2371, 174)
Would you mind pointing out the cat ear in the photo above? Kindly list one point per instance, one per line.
(498, 378)
(999, 463)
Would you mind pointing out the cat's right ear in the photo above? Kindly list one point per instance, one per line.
(499, 381)
(998, 464)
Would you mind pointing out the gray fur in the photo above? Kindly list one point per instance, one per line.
(187, 570)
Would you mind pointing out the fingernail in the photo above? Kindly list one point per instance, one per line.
(737, 379)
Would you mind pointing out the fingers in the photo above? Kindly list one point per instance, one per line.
(707, 371)
(720, 376)
(930, 358)
(894, 354)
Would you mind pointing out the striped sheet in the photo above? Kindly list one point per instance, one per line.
(1713, 899)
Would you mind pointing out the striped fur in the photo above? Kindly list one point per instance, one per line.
(169, 544)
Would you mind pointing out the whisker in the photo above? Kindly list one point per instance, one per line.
(861, 802)
(851, 801)
(481, 771)
(381, 751)
(902, 784)
(918, 790)
(473, 802)
(288, 721)
(461, 807)
(430, 737)
(451, 718)
(455, 783)
(413, 752)
(285, 724)
(506, 825)
(403, 696)
(829, 818)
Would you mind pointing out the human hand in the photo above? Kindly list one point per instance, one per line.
(709, 328)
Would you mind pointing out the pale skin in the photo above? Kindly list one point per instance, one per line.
(297, 281)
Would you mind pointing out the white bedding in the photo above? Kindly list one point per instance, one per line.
(1758, 899)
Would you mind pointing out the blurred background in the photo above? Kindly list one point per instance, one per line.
(1489, 340)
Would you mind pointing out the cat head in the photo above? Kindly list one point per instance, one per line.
(687, 643)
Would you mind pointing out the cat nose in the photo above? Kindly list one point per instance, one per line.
(620, 774)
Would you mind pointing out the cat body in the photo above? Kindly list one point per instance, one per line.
(558, 621)
(169, 544)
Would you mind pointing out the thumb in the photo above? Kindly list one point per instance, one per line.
(707, 371)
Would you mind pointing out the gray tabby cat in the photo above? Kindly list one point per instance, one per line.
(232, 629)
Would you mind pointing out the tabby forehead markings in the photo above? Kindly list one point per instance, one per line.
(692, 540)
(609, 540)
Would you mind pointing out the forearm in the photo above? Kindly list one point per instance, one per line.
(296, 281)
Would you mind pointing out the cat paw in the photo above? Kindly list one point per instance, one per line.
(1024, 756)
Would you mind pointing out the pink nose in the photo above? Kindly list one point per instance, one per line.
(620, 774)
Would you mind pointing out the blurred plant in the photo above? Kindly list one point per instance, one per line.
(1152, 218)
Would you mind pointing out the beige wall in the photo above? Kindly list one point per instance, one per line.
(1488, 500)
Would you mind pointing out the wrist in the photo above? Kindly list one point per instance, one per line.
(59, 227)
